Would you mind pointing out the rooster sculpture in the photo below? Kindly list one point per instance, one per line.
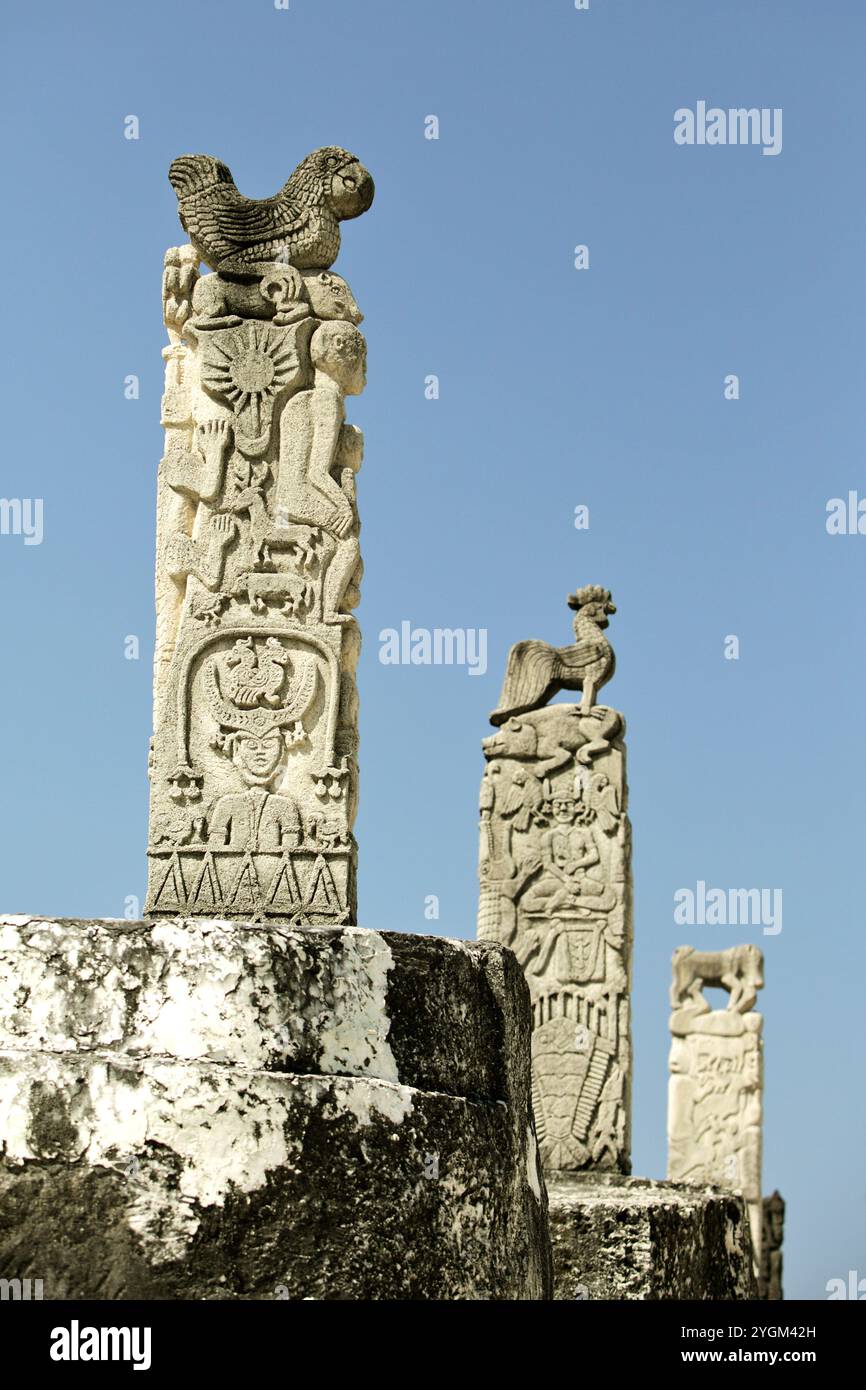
(299, 226)
(535, 671)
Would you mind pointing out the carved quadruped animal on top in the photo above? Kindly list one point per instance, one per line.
(254, 772)
(739, 970)
(536, 672)
(715, 1092)
(299, 226)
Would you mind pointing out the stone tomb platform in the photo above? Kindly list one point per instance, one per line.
(207, 1110)
(632, 1238)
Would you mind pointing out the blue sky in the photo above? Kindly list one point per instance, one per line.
(558, 387)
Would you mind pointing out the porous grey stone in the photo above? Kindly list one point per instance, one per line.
(772, 1236)
(195, 1109)
(616, 1237)
(299, 226)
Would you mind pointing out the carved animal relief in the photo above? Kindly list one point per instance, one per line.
(556, 886)
(254, 758)
(716, 1084)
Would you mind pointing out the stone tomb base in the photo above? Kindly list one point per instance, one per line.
(632, 1238)
(204, 1110)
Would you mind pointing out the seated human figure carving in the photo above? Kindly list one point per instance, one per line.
(568, 855)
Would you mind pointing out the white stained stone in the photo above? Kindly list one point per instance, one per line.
(205, 1109)
(197, 989)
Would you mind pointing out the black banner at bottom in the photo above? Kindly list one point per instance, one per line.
(63, 1339)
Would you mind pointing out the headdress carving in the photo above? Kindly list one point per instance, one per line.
(244, 689)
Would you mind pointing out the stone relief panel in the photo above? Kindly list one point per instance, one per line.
(716, 1085)
(554, 866)
(254, 757)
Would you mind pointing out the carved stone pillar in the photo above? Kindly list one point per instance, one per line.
(254, 755)
(716, 1083)
(555, 871)
(772, 1235)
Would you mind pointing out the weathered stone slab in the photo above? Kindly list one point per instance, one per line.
(204, 1110)
(339, 1001)
(631, 1238)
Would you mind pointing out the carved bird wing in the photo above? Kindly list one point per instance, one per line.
(513, 799)
(528, 673)
(232, 222)
(603, 800)
(585, 653)
(533, 800)
(220, 221)
(303, 689)
(534, 792)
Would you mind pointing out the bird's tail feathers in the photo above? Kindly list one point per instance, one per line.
(191, 173)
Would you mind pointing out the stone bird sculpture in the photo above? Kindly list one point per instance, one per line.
(299, 226)
(535, 671)
(256, 679)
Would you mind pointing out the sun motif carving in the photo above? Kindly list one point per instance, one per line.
(248, 368)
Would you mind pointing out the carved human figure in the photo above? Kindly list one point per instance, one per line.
(315, 445)
(257, 721)
(256, 818)
(568, 856)
(200, 477)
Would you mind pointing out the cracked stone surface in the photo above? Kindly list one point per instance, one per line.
(196, 1109)
(634, 1238)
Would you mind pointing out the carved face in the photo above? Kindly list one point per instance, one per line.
(340, 350)
(598, 612)
(515, 739)
(598, 609)
(563, 812)
(257, 759)
(331, 297)
(351, 191)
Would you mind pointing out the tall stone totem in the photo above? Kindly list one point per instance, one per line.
(254, 756)
(211, 1104)
(555, 870)
(715, 1097)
